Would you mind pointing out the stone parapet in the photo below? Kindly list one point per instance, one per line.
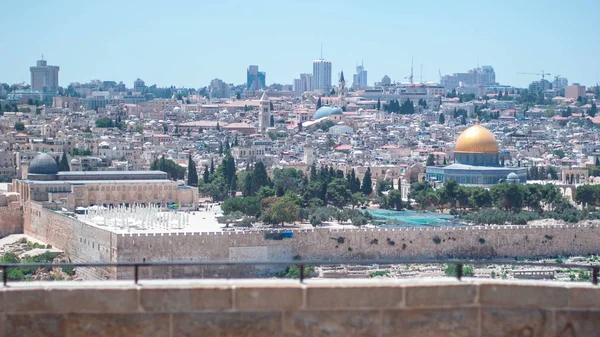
(267, 307)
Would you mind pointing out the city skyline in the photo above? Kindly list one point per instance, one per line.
(192, 55)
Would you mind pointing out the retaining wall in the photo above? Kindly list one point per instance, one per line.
(371, 308)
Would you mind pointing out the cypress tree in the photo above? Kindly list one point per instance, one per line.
(212, 166)
(192, 173)
(206, 175)
(319, 104)
(367, 184)
(63, 166)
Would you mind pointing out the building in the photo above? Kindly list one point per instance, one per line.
(476, 161)
(360, 78)
(483, 76)
(303, 84)
(44, 77)
(560, 82)
(41, 182)
(219, 89)
(264, 113)
(139, 85)
(574, 91)
(541, 85)
(255, 80)
(321, 75)
(386, 81)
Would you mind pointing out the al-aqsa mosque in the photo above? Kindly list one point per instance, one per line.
(476, 161)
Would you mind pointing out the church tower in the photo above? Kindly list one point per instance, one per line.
(342, 89)
(264, 113)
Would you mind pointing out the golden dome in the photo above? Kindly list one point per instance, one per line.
(476, 139)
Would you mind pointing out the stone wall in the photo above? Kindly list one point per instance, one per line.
(85, 243)
(80, 242)
(11, 220)
(413, 244)
(365, 308)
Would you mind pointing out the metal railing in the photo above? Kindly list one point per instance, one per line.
(301, 264)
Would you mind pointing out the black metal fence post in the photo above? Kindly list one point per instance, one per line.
(135, 273)
(4, 275)
(301, 273)
(459, 271)
(595, 271)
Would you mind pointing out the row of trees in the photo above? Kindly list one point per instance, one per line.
(505, 196)
(542, 173)
(109, 123)
(406, 108)
(173, 170)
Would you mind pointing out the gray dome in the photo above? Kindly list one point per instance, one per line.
(512, 177)
(279, 120)
(43, 164)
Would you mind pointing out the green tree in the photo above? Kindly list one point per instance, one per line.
(593, 110)
(378, 104)
(248, 205)
(319, 104)
(206, 175)
(394, 199)
(338, 193)
(430, 160)
(280, 210)
(173, 170)
(19, 126)
(442, 119)
(383, 185)
(192, 173)
(212, 166)
(358, 200)
(367, 184)
(586, 194)
(63, 165)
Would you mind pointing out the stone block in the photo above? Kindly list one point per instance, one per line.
(584, 298)
(519, 295)
(34, 325)
(100, 325)
(332, 323)
(461, 322)
(505, 322)
(268, 297)
(578, 323)
(185, 299)
(353, 297)
(92, 300)
(441, 295)
(230, 324)
(32, 300)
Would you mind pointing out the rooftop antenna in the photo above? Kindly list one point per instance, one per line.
(42, 56)
(411, 70)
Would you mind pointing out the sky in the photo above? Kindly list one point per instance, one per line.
(188, 43)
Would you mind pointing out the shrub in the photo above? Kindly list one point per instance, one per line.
(437, 240)
(481, 240)
(293, 271)
(69, 271)
(23, 241)
(468, 270)
(379, 273)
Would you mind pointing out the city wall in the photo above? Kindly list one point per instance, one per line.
(346, 308)
(491, 242)
(11, 220)
(85, 243)
(80, 242)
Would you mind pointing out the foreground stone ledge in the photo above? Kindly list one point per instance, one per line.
(450, 295)
(524, 295)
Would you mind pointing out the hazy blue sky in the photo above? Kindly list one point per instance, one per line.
(191, 42)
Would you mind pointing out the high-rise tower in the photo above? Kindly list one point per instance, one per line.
(322, 75)
(44, 77)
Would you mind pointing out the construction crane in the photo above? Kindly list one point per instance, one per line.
(543, 74)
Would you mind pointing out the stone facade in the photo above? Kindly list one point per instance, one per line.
(371, 308)
(11, 220)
